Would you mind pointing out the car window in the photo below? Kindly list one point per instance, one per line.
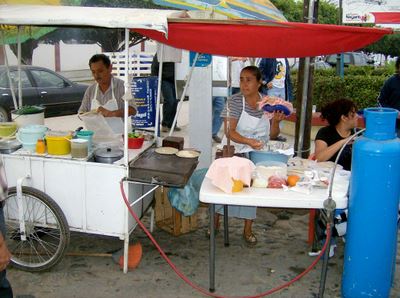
(346, 58)
(47, 79)
(5, 83)
(357, 59)
(331, 59)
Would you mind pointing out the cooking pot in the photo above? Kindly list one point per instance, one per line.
(108, 155)
(9, 146)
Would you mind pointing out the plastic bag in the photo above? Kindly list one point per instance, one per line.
(104, 136)
(96, 123)
(186, 200)
(276, 181)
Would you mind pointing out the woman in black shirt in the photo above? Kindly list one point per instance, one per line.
(342, 118)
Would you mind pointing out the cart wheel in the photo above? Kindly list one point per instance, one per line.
(46, 229)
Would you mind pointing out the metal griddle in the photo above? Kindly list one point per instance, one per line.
(162, 169)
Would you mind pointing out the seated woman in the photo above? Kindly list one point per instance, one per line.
(342, 117)
(249, 129)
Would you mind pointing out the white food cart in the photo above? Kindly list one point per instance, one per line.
(50, 195)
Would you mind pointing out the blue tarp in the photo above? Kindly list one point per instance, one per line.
(186, 200)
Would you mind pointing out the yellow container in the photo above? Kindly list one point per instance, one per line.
(237, 185)
(8, 129)
(58, 142)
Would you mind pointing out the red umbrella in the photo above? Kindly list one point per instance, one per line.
(248, 38)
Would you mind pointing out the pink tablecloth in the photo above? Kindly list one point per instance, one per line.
(223, 170)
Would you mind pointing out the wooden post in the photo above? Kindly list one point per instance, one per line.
(306, 72)
(57, 56)
(2, 54)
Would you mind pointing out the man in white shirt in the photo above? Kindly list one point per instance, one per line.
(106, 95)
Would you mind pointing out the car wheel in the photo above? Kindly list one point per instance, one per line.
(3, 115)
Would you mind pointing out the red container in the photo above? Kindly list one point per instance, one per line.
(135, 143)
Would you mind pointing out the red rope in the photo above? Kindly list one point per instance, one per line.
(204, 291)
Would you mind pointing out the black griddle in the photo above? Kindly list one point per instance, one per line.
(162, 169)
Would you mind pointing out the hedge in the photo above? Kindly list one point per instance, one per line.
(360, 84)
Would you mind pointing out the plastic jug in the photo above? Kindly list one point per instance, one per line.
(86, 135)
(79, 148)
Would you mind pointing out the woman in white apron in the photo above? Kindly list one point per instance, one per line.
(249, 129)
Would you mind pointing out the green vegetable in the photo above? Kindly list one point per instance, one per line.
(27, 110)
(134, 135)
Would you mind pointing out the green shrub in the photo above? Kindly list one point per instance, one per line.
(360, 84)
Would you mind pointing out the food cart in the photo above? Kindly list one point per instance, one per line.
(53, 194)
(84, 196)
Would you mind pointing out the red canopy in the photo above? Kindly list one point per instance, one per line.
(387, 17)
(247, 38)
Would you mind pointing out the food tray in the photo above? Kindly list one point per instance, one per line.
(162, 169)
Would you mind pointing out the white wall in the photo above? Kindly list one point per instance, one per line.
(44, 55)
(72, 56)
(76, 56)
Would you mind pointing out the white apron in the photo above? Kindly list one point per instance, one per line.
(116, 123)
(250, 127)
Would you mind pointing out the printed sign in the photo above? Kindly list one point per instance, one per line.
(362, 11)
(202, 61)
(144, 91)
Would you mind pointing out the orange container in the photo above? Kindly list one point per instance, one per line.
(134, 256)
(135, 143)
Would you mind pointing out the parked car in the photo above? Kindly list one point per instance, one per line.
(350, 58)
(317, 65)
(40, 86)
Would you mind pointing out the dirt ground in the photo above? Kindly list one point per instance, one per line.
(280, 255)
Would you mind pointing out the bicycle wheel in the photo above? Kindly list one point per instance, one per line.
(46, 230)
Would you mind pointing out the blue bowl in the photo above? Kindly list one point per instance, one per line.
(259, 156)
(277, 108)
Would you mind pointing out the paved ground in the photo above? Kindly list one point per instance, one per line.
(280, 255)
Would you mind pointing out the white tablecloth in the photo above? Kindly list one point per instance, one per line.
(269, 197)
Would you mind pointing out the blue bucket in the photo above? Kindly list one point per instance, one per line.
(258, 156)
(29, 135)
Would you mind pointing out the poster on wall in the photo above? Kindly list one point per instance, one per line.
(371, 11)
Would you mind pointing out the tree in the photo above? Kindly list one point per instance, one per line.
(293, 11)
(108, 39)
(388, 45)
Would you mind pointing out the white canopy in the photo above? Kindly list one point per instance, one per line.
(54, 16)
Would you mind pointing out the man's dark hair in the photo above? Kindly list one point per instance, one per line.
(100, 57)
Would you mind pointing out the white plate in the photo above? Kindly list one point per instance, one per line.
(166, 150)
(188, 153)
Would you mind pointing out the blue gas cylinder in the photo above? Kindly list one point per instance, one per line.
(371, 239)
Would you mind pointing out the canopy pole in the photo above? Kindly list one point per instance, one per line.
(126, 103)
(183, 94)
(160, 67)
(19, 67)
(8, 73)
(304, 97)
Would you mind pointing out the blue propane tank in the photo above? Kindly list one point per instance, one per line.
(371, 239)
